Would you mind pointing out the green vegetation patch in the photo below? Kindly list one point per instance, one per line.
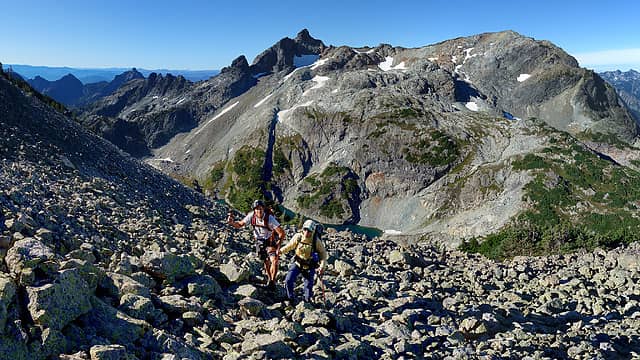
(438, 149)
(248, 182)
(330, 190)
(579, 201)
(280, 162)
(215, 175)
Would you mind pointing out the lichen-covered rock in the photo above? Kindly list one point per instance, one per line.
(117, 285)
(164, 265)
(55, 305)
(110, 323)
(251, 307)
(246, 290)
(235, 273)
(203, 285)
(92, 274)
(28, 254)
(14, 349)
(7, 288)
(109, 352)
(160, 341)
(54, 342)
(178, 304)
(141, 308)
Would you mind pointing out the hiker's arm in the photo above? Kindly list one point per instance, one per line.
(291, 245)
(281, 235)
(237, 224)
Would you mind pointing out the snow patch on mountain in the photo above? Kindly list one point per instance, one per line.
(217, 116)
(318, 63)
(262, 101)
(523, 77)
(386, 65)
(319, 80)
(283, 113)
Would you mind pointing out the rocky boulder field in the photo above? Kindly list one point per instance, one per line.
(101, 257)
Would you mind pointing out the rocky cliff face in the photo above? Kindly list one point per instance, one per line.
(160, 108)
(103, 257)
(628, 86)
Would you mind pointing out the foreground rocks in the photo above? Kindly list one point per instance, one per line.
(380, 300)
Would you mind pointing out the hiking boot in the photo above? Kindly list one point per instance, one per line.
(271, 285)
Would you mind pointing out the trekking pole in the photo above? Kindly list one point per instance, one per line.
(324, 298)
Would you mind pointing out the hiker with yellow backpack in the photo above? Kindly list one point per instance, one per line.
(310, 254)
(265, 229)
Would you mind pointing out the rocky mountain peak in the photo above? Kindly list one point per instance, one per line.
(280, 56)
(128, 75)
(627, 85)
(70, 81)
(305, 40)
(238, 64)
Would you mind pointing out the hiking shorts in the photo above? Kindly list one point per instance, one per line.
(265, 249)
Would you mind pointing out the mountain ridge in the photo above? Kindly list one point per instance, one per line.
(346, 118)
(89, 75)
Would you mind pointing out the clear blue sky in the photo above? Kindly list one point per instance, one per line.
(202, 34)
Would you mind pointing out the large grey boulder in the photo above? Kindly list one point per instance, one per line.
(110, 323)
(235, 273)
(168, 266)
(109, 352)
(28, 254)
(55, 305)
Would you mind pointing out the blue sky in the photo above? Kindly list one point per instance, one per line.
(210, 34)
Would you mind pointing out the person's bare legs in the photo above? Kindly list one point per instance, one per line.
(274, 269)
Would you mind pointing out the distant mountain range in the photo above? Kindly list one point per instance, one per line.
(88, 75)
(627, 85)
(70, 91)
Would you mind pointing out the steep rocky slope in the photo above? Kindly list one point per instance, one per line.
(102, 257)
